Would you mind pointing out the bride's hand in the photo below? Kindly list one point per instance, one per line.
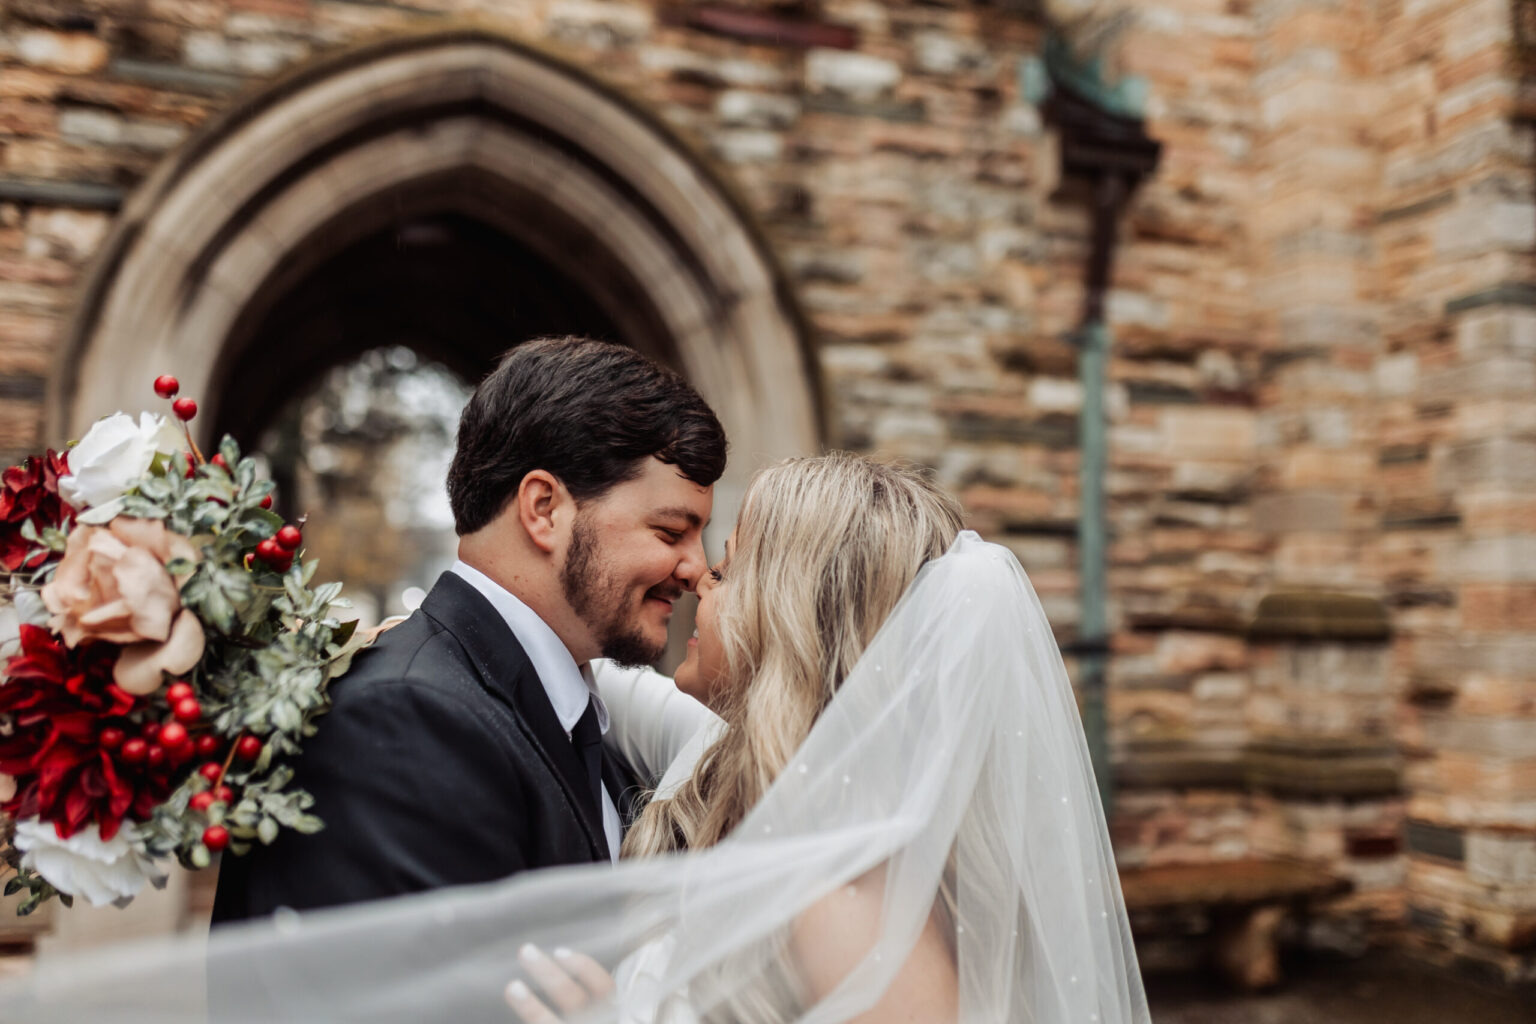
(570, 980)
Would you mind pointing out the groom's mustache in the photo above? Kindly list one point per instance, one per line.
(665, 592)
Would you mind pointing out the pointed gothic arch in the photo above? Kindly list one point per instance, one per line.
(453, 124)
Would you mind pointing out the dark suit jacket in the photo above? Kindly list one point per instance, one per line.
(441, 762)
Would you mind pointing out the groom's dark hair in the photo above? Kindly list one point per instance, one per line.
(589, 412)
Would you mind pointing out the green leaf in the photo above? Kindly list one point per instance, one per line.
(29, 530)
(66, 899)
(245, 472)
(266, 831)
(230, 450)
(201, 858)
(13, 887)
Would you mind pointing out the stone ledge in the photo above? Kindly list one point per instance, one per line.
(80, 195)
(1319, 616)
(1348, 768)
(1510, 293)
(1316, 766)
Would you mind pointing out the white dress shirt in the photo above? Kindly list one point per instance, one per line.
(569, 686)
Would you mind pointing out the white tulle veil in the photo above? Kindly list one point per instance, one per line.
(951, 769)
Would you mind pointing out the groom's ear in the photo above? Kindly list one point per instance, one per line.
(545, 508)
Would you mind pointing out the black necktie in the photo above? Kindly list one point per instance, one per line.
(587, 737)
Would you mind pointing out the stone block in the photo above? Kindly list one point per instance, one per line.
(747, 146)
(1312, 468)
(944, 53)
(1183, 652)
(1208, 432)
(600, 24)
(1496, 607)
(1501, 858)
(1425, 839)
(1296, 511)
(858, 76)
(1510, 559)
(1489, 331)
(1505, 737)
(740, 108)
(102, 128)
(74, 53)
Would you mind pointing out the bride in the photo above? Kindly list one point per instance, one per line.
(892, 818)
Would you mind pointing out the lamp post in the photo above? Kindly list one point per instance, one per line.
(1104, 144)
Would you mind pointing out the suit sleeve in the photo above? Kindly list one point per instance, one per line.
(415, 792)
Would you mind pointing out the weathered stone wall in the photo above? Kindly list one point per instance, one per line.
(1323, 356)
(1455, 553)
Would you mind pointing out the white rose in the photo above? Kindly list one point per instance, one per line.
(26, 608)
(110, 459)
(110, 871)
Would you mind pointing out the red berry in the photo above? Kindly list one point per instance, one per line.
(156, 756)
(135, 750)
(223, 794)
(201, 801)
(211, 771)
(218, 460)
(183, 753)
(290, 538)
(188, 710)
(151, 732)
(191, 466)
(250, 556)
(111, 738)
(178, 692)
(166, 386)
(184, 408)
(269, 551)
(248, 748)
(207, 746)
(216, 837)
(173, 736)
(266, 502)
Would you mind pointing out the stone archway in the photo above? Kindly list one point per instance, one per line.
(461, 124)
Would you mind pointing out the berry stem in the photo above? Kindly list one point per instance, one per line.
(196, 452)
(229, 759)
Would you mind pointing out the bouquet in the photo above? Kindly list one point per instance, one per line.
(163, 653)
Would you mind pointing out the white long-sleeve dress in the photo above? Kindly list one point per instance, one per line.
(662, 733)
(659, 730)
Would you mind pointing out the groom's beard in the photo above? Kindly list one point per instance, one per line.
(599, 599)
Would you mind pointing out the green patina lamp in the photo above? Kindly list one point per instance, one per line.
(1105, 145)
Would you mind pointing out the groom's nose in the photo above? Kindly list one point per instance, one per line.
(693, 564)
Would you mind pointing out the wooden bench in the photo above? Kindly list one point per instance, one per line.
(1246, 902)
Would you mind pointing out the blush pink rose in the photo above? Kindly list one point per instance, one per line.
(113, 585)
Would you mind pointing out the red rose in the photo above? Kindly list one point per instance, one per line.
(58, 701)
(30, 491)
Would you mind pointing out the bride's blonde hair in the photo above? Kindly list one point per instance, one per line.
(825, 547)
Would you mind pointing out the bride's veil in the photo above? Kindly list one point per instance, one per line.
(949, 780)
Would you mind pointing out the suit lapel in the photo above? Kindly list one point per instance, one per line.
(508, 676)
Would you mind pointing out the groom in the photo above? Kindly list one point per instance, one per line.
(466, 744)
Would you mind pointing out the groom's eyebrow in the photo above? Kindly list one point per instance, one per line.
(687, 515)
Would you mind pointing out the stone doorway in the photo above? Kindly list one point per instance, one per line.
(453, 193)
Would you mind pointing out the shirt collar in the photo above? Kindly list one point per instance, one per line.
(569, 686)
